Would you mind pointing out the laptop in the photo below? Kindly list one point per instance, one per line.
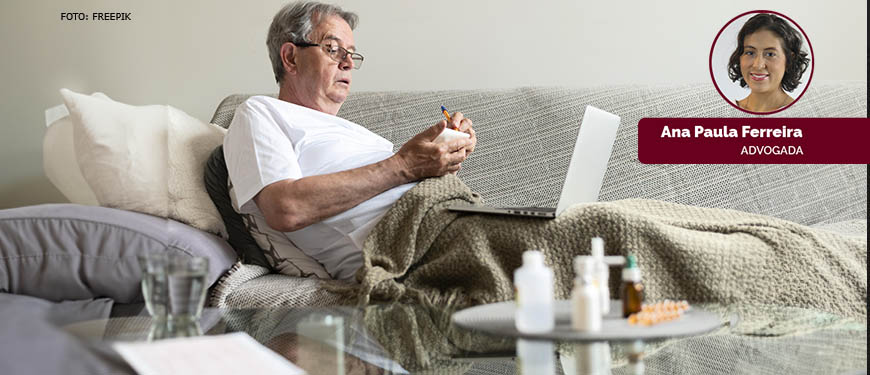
(585, 171)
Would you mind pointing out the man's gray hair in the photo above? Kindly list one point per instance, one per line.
(294, 22)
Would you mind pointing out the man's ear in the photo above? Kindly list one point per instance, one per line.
(288, 57)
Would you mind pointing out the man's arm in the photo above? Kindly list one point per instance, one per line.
(290, 205)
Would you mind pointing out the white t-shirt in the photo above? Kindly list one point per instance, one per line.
(271, 140)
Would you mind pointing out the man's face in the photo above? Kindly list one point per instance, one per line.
(322, 83)
(763, 61)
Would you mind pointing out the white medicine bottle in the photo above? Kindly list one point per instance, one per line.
(534, 287)
(601, 274)
(585, 298)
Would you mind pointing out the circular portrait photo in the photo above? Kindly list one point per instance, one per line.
(761, 62)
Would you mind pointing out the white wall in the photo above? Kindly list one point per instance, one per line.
(193, 53)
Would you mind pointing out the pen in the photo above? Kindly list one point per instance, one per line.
(446, 115)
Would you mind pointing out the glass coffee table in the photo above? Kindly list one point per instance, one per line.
(400, 338)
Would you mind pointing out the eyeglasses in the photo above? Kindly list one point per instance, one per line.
(336, 53)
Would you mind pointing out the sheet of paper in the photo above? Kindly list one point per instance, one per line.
(234, 353)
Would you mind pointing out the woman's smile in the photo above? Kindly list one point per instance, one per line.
(758, 77)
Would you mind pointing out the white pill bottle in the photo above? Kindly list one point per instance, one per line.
(602, 274)
(534, 294)
(585, 297)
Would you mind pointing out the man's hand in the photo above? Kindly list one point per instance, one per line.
(420, 157)
(463, 124)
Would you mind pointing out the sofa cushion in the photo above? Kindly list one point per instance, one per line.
(253, 239)
(281, 253)
(67, 251)
(216, 178)
(147, 159)
(285, 291)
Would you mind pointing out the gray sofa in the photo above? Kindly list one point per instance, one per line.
(525, 140)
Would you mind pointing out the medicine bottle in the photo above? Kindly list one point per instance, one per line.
(585, 298)
(632, 289)
(534, 287)
(601, 275)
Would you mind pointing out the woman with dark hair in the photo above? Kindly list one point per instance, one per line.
(769, 60)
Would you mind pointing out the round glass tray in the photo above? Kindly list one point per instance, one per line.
(498, 319)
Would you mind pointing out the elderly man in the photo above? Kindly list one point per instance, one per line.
(322, 180)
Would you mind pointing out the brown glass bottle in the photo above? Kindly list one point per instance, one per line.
(632, 288)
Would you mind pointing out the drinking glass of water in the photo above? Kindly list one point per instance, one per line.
(155, 267)
(185, 282)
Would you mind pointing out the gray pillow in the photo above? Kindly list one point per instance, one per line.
(33, 343)
(70, 252)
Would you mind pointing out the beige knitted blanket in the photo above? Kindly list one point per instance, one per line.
(421, 252)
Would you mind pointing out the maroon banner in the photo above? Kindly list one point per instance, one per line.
(753, 140)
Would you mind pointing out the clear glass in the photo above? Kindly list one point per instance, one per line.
(154, 267)
(186, 284)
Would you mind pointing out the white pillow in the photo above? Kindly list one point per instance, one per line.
(60, 165)
(148, 159)
(59, 159)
